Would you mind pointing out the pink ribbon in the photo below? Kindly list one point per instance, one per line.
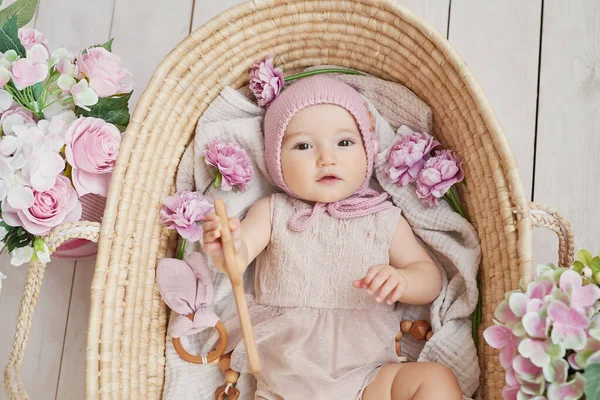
(186, 286)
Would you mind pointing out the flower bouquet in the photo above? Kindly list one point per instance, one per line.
(548, 333)
(61, 119)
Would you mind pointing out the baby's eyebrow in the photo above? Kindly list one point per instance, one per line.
(349, 131)
(291, 135)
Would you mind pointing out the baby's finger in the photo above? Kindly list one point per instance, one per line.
(386, 289)
(212, 235)
(373, 270)
(396, 295)
(358, 283)
(214, 248)
(234, 224)
(211, 216)
(211, 225)
(377, 281)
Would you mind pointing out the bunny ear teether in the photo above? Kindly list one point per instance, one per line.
(186, 287)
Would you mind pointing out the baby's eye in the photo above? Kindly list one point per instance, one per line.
(345, 143)
(303, 146)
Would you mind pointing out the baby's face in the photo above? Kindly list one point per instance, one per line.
(322, 155)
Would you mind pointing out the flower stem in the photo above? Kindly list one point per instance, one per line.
(181, 248)
(321, 71)
(208, 187)
(449, 196)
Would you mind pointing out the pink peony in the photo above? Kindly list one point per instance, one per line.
(407, 157)
(51, 208)
(266, 81)
(437, 176)
(183, 212)
(234, 169)
(104, 71)
(29, 37)
(91, 149)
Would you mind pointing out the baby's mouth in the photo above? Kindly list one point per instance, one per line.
(328, 179)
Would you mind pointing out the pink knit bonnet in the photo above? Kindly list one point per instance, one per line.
(312, 90)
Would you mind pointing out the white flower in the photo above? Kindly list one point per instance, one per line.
(63, 60)
(5, 76)
(66, 82)
(58, 124)
(21, 255)
(587, 272)
(56, 105)
(83, 95)
(42, 251)
(38, 54)
(12, 186)
(44, 163)
(6, 100)
(11, 56)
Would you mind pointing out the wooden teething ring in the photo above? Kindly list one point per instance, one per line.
(210, 357)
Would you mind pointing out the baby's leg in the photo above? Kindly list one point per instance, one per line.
(413, 381)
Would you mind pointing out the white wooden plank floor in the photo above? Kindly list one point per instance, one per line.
(538, 61)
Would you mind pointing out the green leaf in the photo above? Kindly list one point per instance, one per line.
(107, 46)
(592, 381)
(114, 110)
(24, 10)
(578, 266)
(9, 37)
(584, 256)
(37, 90)
(595, 265)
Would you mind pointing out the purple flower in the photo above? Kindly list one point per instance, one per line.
(233, 167)
(266, 81)
(437, 176)
(407, 157)
(183, 212)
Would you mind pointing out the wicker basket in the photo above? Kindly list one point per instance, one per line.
(127, 326)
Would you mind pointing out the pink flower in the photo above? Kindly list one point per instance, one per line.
(104, 71)
(183, 212)
(27, 73)
(234, 169)
(266, 81)
(407, 157)
(437, 176)
(29, 37)
(91, 149)
(582, 297)
(569, 327)
(51, 208)
(500, 337)
(571, 390)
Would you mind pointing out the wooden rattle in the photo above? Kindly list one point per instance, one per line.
(210, 357)
(228, 390)
(235, 277)
(419, 330)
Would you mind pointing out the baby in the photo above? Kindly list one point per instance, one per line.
(332, 258)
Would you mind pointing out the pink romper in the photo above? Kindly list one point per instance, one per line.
(318, 337)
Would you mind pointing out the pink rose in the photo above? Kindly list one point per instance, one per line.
(92, 146)
(266, 81)
(233, 167)
(104, 71)
(51, 208)
(407, 157)
(437, 176)
(29, 37)
(183, 212)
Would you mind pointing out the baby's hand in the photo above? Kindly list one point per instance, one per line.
(384, 281)
(211, 234)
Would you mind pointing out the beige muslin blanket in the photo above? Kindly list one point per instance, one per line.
(451, 240)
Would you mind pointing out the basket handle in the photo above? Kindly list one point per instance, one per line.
(13, 384)
(544, 216)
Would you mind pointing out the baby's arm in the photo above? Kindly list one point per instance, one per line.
(250, 236)
(411, 277)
